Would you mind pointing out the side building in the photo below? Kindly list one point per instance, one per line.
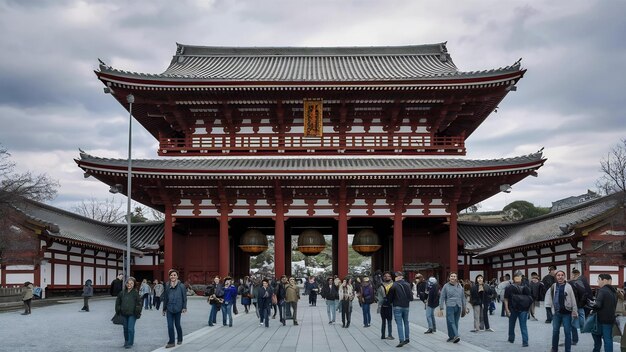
(589, 236)
(58, 250)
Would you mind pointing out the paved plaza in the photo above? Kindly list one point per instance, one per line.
(61, 327)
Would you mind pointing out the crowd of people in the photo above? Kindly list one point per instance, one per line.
(567, 302)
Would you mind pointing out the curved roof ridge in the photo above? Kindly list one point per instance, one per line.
(201, 50)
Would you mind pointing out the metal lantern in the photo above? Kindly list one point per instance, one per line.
(366, 242)
(311, 242)
(253, 242)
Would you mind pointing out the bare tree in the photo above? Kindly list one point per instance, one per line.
(110, 210)
(14, 187)
(613, 168)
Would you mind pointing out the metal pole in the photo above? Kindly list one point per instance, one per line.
(130, 99)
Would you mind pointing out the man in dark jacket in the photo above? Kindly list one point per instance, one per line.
(116, 285)
(605, 304)
(174, 300)
(399, 296)
(432, 302)
(330, 292)
(582, 291)
(547, 282)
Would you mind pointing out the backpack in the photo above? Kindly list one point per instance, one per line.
(521, 301)
(580, 293)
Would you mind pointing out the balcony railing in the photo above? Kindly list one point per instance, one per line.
(329, 144)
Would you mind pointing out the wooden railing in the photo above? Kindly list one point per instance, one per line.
(328, 144)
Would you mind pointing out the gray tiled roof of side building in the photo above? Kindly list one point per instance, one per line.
(73, 227)
(329, 64)
(490, 238)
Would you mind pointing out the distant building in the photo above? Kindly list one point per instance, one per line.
(572, 201)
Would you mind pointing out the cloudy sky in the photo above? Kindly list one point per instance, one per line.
(570, 101)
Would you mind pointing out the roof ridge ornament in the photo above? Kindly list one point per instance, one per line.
(103, 65)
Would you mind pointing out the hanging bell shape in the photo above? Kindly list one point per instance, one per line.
(366, 242)
(311, 242)
(253, 242)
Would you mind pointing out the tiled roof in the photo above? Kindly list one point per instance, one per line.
(491, 238)
(315, 165)
(72, 227)
(302, 64)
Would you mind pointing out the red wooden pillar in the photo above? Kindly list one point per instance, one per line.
(398, 257)
(454, 256)
(168, 246)
(279, 235)
(224, 252)
(342, 240)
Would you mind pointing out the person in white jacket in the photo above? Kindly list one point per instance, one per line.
(560, 298)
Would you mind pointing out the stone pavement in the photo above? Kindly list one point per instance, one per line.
(62, 327)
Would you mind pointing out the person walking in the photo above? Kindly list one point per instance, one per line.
(346, 295)
(560, 299)
(517, 302)
(384, 306)
(174, 301)
(144, 292)
(158, 292)
(582, 292)
(280, 293)
(313, 291)
(215, 291)
(330, 292)
(230, 295)
(504, 282)
(87, 293)
(128, 306)
(400, 294)
(536, 288)
(292, 296)
(366, 297)
(547, 282)
(27, 297)
(605, 304)
(117, 285)
(480, 299)
(264, 302)
(432, 301)
(244, 291)
(453, 299)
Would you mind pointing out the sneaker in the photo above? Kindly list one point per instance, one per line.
(524, 345)
(390, 337)
(456, 339)
(490, 330)
(473, 330)
(260, 324)
(170, 345)
(450, 339)
(429, 331)
(180, 342)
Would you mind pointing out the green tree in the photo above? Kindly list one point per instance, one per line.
(522, 210)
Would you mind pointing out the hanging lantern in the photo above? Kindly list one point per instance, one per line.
(366, 242)
(253, 242)
(311, 242)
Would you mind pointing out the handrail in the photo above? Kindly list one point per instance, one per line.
(363, 143)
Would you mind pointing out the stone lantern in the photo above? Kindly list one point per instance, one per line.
(366, 242)
(253, 242)
(311, 242)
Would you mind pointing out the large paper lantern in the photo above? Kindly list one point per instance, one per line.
(253, 242)
(311, 242)
(366, 242)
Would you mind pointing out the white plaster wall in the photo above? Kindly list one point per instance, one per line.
(19, 279)
(60, 274)
(75, 272)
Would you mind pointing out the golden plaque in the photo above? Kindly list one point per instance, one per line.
(313, 114)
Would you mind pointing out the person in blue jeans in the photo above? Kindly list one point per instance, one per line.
(215, 291)
(366, 296)
(174, 300)
(399, 296)
(128, 305)
(453, 299)
(431, 303)
(230, 295)
(605, 304)
(514, 308)
(560, 298)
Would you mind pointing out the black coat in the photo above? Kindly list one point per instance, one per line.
(475, 298)
(605, 304)
(330, 292)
